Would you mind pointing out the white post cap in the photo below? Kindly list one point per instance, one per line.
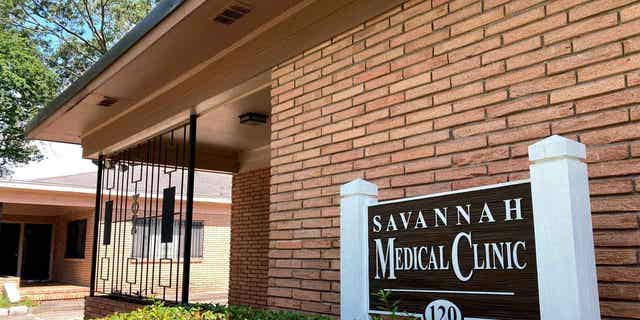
(557, 147)
(359, 187)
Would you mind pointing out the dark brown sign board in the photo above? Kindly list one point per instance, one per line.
(454, 256)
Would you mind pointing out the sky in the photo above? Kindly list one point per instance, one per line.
(60, 159)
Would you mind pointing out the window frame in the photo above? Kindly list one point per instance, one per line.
(138, 250)
(80, 234)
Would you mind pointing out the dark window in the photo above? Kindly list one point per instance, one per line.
(76, 238)
(147, 240)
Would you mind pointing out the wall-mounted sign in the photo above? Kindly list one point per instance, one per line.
(461, 255)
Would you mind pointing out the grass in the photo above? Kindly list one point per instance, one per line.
(5, 303)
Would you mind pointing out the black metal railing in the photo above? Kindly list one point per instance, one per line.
(144, 211)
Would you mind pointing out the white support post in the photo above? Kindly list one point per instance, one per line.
(355, 197)
(564, 236)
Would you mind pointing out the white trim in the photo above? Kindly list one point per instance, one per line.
(88, 191)
(402, 314)
(43, 187)
(415, 315)
(433, 195)
(488, 293)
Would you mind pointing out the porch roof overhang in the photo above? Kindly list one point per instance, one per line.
(179, 61)
(27, 193)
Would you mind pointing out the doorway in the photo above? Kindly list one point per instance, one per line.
(36, 255)
(9, 250)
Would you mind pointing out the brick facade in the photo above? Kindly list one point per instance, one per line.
(100, 307)
(249, 239)
(73, 271)
(210, 273)
(434, 96)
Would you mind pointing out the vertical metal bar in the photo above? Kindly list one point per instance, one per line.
(117, 212)
(123, 262)
(150, 263)
(156, 236)
(100, 229)
(96, 223)
(189, 214)
(180, 238)
(145, 244)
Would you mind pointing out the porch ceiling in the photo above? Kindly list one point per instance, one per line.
(221, 127)
(190, 63)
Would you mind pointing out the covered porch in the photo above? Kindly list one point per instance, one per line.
(142, 109)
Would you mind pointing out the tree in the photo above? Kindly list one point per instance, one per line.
(74, 34)
(26, 84)
(45, 46)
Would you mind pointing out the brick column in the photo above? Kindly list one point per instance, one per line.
(249, 239)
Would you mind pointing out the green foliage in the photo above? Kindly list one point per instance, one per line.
(386, 304)
(74, 34)
(5, 303)
(45, 45)
(209, 312)
(26, 84)
(27, 302)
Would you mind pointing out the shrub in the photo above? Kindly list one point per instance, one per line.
(5, 303)
(159, 311)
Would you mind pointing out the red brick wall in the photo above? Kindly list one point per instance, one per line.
(249, 239)
(73, 271)
(438, 95)
(100, 307)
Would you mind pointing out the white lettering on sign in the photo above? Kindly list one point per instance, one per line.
(500, 255)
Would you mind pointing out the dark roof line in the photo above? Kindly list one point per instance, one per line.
(150, 21)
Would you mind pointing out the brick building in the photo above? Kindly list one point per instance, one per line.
(416, 96)
(46, 236)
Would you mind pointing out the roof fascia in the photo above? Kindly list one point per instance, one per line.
(157, 15)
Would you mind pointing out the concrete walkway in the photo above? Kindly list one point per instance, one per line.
(55, 310)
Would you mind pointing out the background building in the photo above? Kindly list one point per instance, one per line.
(47, 232)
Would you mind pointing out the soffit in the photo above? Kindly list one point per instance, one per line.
(182, 46)
(202, 67)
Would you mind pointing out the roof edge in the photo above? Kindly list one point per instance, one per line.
(150, 21)
(27, 186)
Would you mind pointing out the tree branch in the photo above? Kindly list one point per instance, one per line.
(89, 20)
(61, 26)
(102, 18)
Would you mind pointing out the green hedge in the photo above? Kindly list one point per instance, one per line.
(209, 312)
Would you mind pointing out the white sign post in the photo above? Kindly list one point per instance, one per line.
(567, 282)
(356, 196)
(565, 258)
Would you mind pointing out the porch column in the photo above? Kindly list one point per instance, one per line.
(188, 225)
(96, 224)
